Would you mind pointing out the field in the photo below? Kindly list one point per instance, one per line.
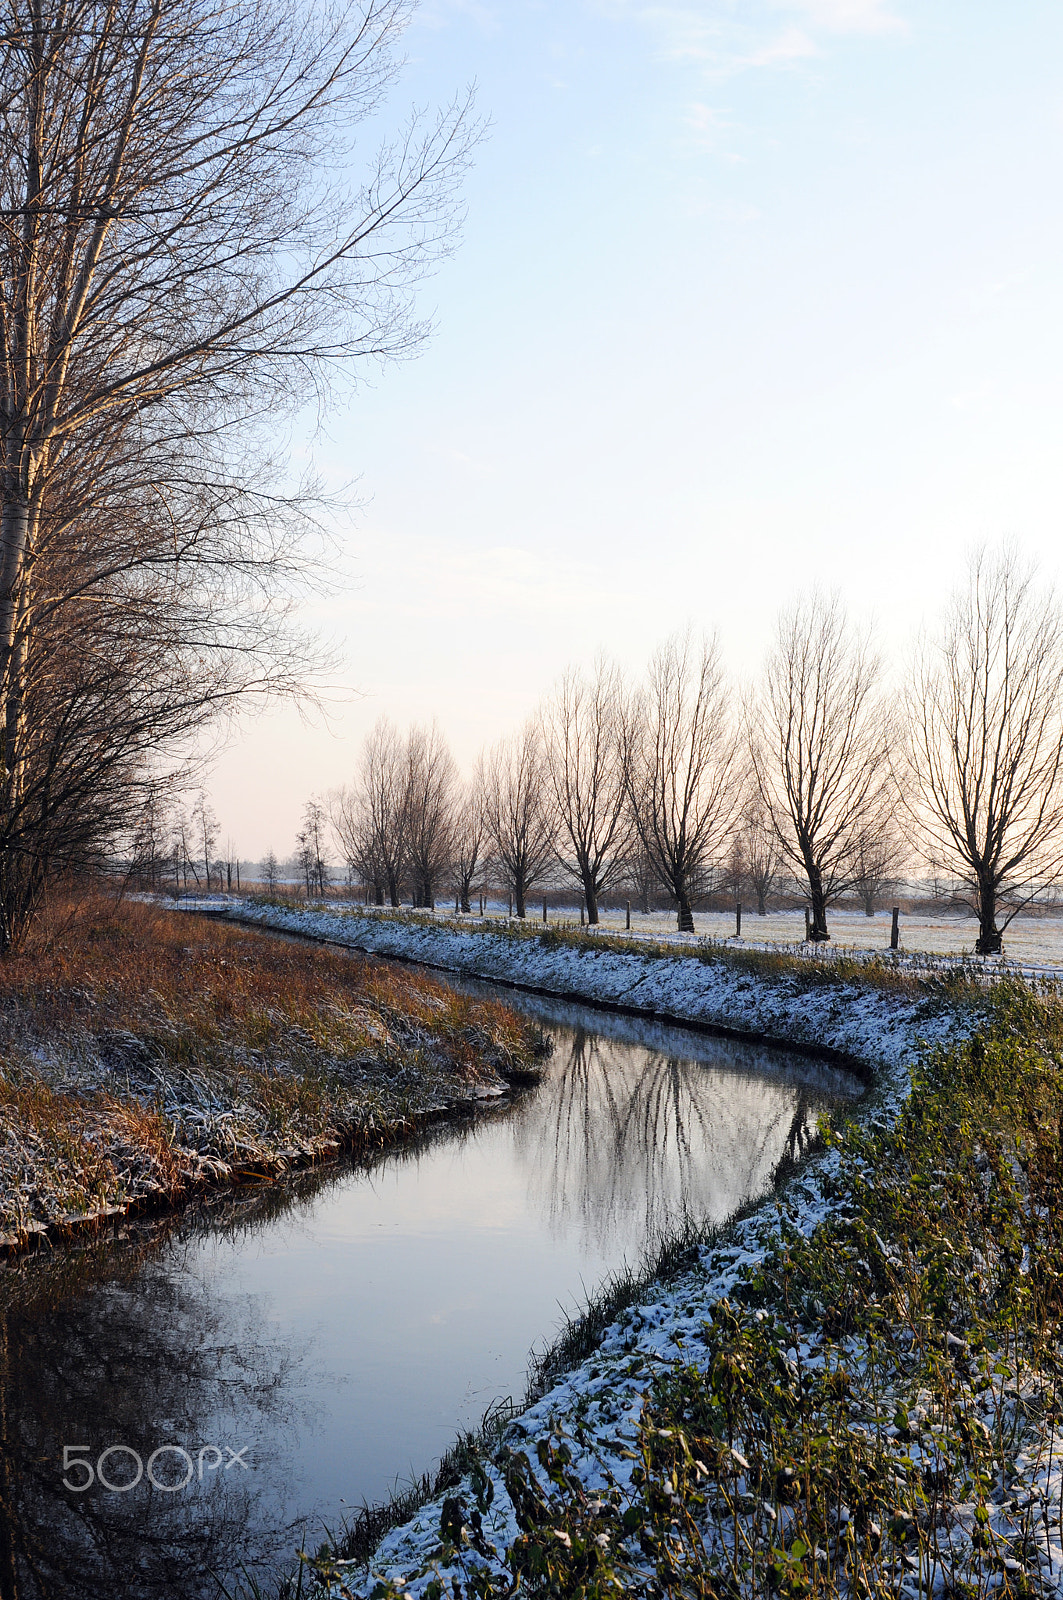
(1029, 941)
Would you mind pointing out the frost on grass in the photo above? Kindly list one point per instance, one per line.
(142, 1056)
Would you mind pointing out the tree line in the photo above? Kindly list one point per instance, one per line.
(819, 773)
(191, 247)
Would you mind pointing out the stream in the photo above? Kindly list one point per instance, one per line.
(228, 1383)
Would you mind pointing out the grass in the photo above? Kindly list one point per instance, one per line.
(877, 1408)
(144, 1056)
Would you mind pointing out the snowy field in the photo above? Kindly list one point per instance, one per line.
(1028, 941)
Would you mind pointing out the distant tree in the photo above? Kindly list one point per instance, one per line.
(983, 776)
(682, 760)
(310, 851)
(820, 748)
(876, 864)
(369, 818)
(470, 838)
(639, 875)
(151, 845)
(205, 830)
(760, 847)
(583, 741)
(182, 843)
(734, 876)
(518, 813)
(429, 803)
(271, 871)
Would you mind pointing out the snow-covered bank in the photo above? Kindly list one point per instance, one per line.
(855, 1392)
(868, 1026)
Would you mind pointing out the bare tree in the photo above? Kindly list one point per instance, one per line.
(760, 849)
(311, 849)
(518, 816)
(151, 845)
(583, 739)
(205, 831)
(470, 838)
(819, 745)
(876, 863)
(271, 871)
(984, 771)
(681, 767)
(431, 781)
(370, 818)
(174, 270)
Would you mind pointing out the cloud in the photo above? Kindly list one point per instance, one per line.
(844, 16)
(725, 36)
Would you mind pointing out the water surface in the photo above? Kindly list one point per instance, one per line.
(333, 1333)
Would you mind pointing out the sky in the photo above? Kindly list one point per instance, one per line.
(752, 296)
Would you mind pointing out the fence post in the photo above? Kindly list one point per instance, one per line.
(581, 913)
(738, 919)
(895, 928)
(544, 910)
(628, 923)
(808, 926)
(510, 905)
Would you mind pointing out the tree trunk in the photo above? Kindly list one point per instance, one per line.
(465, 902)
(818, 932)
(591, 898)
(869, 905)
(686, 914)
(762, 906)
(393, 891)
(988, 942)
(519, 890)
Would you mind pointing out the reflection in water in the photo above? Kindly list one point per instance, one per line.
(631, 1143)
(116, 1346)
(339, 1328)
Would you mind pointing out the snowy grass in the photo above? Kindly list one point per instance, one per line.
(142, 1057)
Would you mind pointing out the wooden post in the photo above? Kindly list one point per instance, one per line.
(238, 877)
(544, 909)
(895, 928)
(581, 913)
(628, 923)
(808, 926)
(738, 920)
(510, 905)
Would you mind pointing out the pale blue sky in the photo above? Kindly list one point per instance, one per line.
(750, 296)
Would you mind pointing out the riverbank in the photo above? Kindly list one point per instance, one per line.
(858, 1389)
(144, 1058)
(861, 1014)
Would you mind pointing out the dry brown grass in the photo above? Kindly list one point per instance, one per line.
(143, 1054)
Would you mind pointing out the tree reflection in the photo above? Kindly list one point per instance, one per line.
(644, 1137)
(114, 1346)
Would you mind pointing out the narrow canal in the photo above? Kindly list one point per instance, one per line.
(294, 1352)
